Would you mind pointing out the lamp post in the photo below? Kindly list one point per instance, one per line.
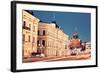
(41, 50)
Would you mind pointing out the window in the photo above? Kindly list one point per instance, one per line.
(30, 26)
(43, 42)
(38, 43)
(24, 24)
(43, 32)
(29, 38)
(34, 28)
(65, 46)
(23, 37)
(25, 27)
(38, 32)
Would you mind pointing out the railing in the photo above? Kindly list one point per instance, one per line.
(27, 28)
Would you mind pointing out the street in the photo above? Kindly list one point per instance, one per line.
(57, 58)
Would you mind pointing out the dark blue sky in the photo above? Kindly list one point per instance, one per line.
(69, 22)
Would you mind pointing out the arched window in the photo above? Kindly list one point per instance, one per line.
(43, 42)
(38, 32)
(43, 32)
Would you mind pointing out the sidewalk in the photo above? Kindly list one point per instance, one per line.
(36, 59)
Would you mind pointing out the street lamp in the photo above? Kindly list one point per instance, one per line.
(41, 50)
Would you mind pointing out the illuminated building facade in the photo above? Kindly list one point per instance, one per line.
(52, 41)
(29, 33)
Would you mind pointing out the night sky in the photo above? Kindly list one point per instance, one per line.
(69, 22)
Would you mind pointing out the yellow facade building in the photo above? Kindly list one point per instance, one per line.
(52, 41)
(29, 33)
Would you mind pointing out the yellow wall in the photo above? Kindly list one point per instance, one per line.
(32, 23)
(55, 38)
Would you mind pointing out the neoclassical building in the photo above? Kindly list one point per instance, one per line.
(39, 37)
(52, 41)
(29, 33)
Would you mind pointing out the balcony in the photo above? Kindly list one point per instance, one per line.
(27, 28)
